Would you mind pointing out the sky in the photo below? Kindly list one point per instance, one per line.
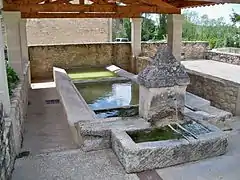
(218, 11)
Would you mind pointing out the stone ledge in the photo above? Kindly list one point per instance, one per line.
(18, 112)
(137, 157)
(75, 107)
(71, 99)
(222, 52)
(97, 135)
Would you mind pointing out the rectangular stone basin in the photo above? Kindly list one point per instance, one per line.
(137, 157)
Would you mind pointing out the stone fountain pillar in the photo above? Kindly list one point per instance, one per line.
(162, 88)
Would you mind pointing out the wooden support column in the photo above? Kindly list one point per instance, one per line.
(12, 23)
(174, 28)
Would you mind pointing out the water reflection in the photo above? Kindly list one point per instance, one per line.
(104, 95)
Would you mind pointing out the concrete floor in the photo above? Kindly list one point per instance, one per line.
(54, 157)
(215, 69)
(46, 128)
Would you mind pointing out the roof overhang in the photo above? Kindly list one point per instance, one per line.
(102, 8)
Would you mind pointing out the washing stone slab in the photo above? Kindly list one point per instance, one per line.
(137, 157)
(195, 102)
(96, 134)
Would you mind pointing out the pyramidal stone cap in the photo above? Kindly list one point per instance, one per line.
(164, 71)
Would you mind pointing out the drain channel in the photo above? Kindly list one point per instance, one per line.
(52, 101)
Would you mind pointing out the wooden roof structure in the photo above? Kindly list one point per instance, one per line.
(102, 8)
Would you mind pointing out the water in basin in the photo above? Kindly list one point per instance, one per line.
(105, 95)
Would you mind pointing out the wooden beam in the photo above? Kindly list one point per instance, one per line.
(217, 1)
(79, 15)
(34, 8)
(184, 4)
(58, 2)
(159, 3)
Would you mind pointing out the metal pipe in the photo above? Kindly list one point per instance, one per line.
(184, 129)
(169, 125)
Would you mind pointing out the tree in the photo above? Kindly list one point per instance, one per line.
(161, 27)
(148, 28)
(235, 17)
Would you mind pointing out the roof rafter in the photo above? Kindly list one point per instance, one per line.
(33, 8)
(80, 15)
(185, 4)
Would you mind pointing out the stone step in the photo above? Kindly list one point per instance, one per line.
(208, 114)
(195, 102)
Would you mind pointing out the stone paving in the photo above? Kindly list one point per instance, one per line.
(46, 128)
(54, 157)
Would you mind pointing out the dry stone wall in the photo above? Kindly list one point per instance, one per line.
(190, 49)
(43, 58)
(231, 58)
(68, 56)
(11, 127)
(6, 146)
(18, 113)
(223, 94)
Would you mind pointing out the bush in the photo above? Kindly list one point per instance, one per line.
(12, 78)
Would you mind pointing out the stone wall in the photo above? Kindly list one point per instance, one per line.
(43, 58)
(68, 56)
(142, 62)
(231, 58)
(63, 31)
(11, 127)
(6, 146)
(190, 49)
(223, 94)
(18, 113)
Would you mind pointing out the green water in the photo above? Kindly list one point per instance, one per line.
(104, 95)
(90, 73)
(166, 133)
(156, 134)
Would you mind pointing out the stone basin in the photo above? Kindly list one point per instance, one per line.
(137, 157)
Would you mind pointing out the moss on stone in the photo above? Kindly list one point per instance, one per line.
(156, 134)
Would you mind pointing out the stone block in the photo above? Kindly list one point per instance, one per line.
(137, 157)
(160, 103)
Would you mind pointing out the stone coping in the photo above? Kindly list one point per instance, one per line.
(122, 73)
(218, 51)
(76, 44)
(197, 68)
(76, 108)
(137, 157)
(107, 43)
(110, 79)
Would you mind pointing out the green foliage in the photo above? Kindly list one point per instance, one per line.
(12, 78)
(161, 27)
(235, 17)
(195, 28)
(148, 28)
(215, 31)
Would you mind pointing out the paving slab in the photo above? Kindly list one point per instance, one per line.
(46, 128)
(71, 165)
